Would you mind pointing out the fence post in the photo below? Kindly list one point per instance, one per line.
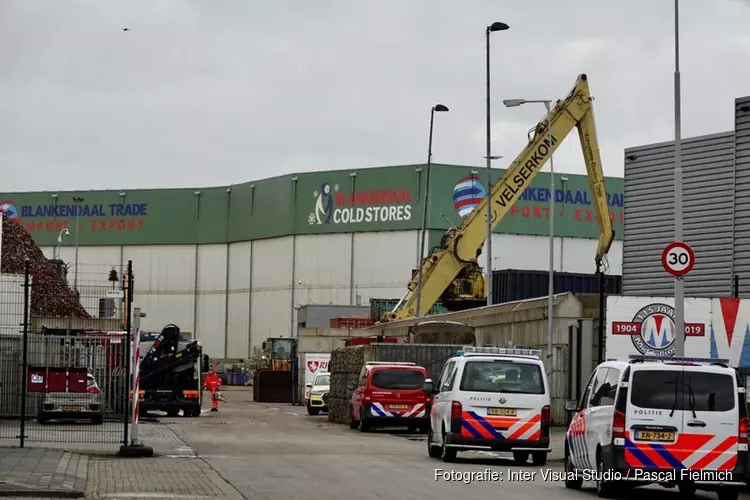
(736, 286)
(128, 352)
(25, 362)
(136, 375)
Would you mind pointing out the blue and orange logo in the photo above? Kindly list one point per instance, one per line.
(8, 209)
(467, 194)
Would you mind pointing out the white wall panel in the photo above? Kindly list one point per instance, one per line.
(210, 323)
(512, 251)
(272, 264)
(162, 309)
(212, 268)
(383, 263)
(323, 266)
(164, 284)
(165, 269)
(270, 315)
(271, 300)
(94, 263)
(238, 343)
(239, 266)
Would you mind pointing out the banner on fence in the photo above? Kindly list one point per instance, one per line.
(714, 328)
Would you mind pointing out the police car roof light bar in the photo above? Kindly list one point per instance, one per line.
(504, 351)
(399, 363)
(668, 359)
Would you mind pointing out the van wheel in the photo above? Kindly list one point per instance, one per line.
(687, 490)
(604, 489)
(312, 411)
(520, 457)
(571, 484)
(539, 458)
(449, 454)
(363, 426)
(353, 424)
(729, 494)
(432, 450)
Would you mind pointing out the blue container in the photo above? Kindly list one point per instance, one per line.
(241, 379)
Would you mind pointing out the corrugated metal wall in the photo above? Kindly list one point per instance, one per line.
(708, 201)
(742, 194)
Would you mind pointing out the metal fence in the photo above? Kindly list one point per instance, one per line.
(65, 379)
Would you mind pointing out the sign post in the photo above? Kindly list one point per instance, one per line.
(678, 259)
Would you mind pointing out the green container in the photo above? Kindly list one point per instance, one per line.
(378, 307)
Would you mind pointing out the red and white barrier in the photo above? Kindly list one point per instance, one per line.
(136, 385)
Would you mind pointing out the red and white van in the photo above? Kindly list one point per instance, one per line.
(389, 394)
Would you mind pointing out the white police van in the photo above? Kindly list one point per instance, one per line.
(491, 398)
(673, 421)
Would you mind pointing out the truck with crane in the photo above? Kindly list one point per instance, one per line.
(451, 273)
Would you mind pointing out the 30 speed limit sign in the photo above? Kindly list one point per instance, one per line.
(678, 258)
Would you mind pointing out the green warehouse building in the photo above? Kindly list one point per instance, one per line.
(232, 264)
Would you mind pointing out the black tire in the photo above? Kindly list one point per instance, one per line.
(729, 493)
(99, 420)
(42, 419)
(173, 413)
(363, 426)
(433, 451)
(687, 490)
(449, 454)
(312, 411)
(604, 489)
(572, 480)
(353, 424)
(520, 457)
(539, 458)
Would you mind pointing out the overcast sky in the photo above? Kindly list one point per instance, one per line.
(203, 93)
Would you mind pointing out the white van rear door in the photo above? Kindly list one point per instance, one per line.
(502, 398)
(711, 419)
(654, 416)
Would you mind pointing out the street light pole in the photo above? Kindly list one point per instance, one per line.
(420, 264)
(512, 103)
(679, 292)
(77, 200)
(496, 26)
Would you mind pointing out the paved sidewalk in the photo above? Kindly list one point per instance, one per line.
(156, 477)
(24, 471)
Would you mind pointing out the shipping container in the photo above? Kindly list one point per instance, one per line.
(511, 284)
(352, 322)
(355, 341)
(378, 307)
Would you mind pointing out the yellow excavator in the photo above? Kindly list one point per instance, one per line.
(452, 274)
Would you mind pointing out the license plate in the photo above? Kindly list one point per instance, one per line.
(502, 412)
(72, 408)
(399, 407)
(654, 435)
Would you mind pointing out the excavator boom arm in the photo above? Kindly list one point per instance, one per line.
(441, 268)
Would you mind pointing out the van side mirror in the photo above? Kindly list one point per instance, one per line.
(350, 386)
(428, 386)
(308, 385)
(571, 405)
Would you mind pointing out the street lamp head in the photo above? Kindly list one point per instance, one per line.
(513, 103)
(498, 26)
(440, 107)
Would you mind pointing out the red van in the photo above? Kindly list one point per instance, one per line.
(390, 395)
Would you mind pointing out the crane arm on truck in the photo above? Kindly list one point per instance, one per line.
(460, 247)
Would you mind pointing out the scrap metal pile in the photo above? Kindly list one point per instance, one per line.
(345, 366)
(50, 294)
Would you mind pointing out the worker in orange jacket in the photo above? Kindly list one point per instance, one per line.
(213, 383)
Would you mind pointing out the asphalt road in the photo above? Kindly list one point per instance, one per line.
(277, 451)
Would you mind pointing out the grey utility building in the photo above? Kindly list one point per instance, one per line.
(716, 212)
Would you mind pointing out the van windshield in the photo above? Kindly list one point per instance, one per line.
(323, 380)
(398, 379)
(502, 376)
(700, 391)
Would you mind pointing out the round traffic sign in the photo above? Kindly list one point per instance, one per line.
(678, 258)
